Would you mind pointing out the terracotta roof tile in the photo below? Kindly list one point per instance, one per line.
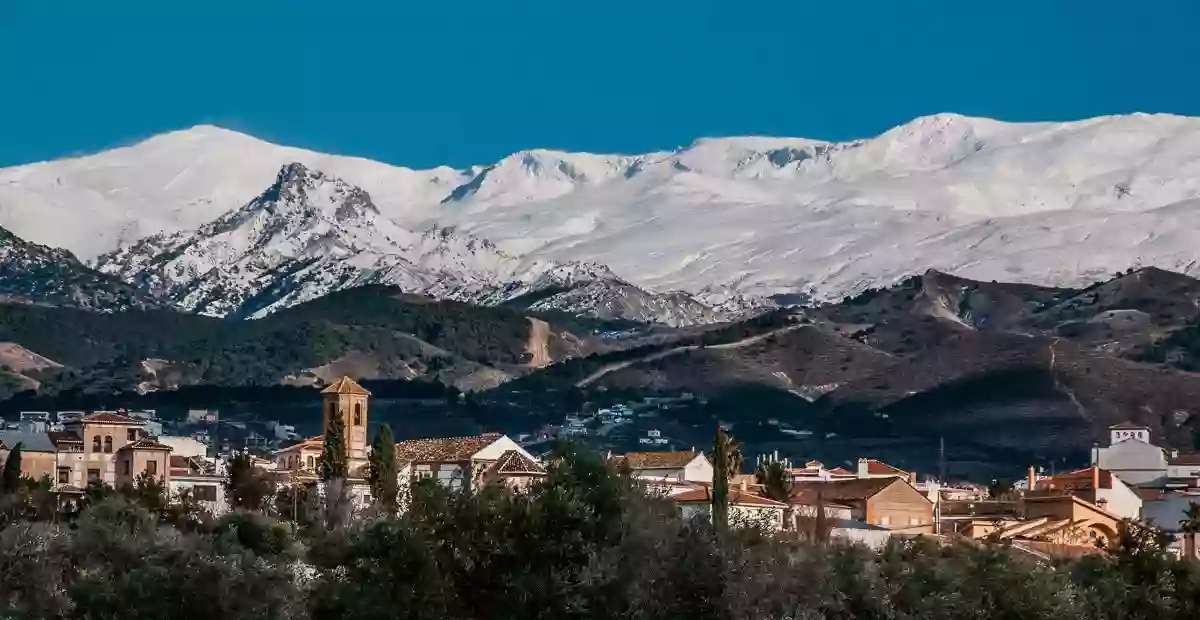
(345, 385)
(858, 489)
(513, 462)
(879, 468)
(840, 471)
(108, 417)
(1077, 480)
(145, 444)
(656, 460)
(736, 497)
(444, 449)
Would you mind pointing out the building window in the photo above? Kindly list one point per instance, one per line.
(96, 443)
(152, 467)
(358, 414)
(205, 492)
(108, 444)
(93, 476)
(312, 462)
(64, 475)
(125, 468)
(131, 434)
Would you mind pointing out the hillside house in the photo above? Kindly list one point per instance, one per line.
(1093, 485)
(1131, 456)
(103, 447)
(887, 501)
(196, 475)
(814, 471)
(469, 462)
(871, 468)
(663, 466)
(744, 507)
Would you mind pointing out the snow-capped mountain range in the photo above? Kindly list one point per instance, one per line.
(726, 219)
(309, 234)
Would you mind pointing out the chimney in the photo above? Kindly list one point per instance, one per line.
(912, 478)
(862, 468)
(744, 484)
(1095, 478)
(1032, 479)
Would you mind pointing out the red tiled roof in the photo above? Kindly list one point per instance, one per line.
(1077, 480)
(315, 443)
(145, 444)
(108, 417)
(736, 497)
(345, 385)
(858, 489)
(839, 471)
(879, 468)
(513, 462)
(443, 450)
(1186, 459)
(656, 460)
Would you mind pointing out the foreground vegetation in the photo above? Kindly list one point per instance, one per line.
(586, 543)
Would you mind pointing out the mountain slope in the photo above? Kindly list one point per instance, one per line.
(372, 332)
(36, 274)
(1052, 204)
(1007, 374)
(310, 234)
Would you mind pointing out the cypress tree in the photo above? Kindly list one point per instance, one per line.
(720, 489)
(333, 456)
(11, 478)
(382, 468)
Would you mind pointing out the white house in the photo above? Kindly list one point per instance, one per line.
(663, 466)
(467, 462)
(1098, 486)
(197, 476)
(744, 507)
(1131, 456)
(184, 446)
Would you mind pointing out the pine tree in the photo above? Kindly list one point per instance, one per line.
(10, 481)
(382, 472)
(333, 456)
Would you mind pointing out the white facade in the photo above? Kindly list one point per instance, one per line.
(209, 491)
(770, 517)
(1124, 433)
(1183, 470)
(184, 446)
(696, 470)
(1133, 458)
(1120, 500)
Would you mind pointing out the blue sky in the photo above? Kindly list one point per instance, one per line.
(460, 82)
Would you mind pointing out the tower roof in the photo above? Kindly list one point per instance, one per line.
(345, 385)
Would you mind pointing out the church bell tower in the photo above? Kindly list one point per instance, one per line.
(347, 399)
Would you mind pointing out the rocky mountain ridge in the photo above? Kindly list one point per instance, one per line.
(310, 234)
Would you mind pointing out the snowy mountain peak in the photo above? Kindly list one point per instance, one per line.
(310, 234)
(538, 175)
